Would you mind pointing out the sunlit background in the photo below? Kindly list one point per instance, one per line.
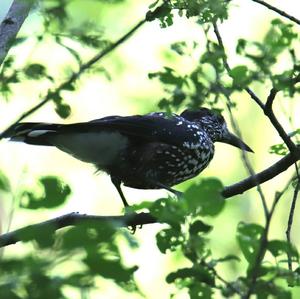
(123, 89)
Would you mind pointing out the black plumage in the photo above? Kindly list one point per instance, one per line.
(151, 151)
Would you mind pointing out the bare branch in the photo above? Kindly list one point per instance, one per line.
(253, 274)
(236, 129)
(291, 217)
(261, 177)
(228, 68)
(279, 11)
(11, 25)
(146, 218)
(247, 163)
(75, 75)
(268, 110)
(76, 218)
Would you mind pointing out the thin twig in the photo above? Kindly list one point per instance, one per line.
(75, 75)
(228, 68)
(218, 276)
(263, 244)
(291, 218)
(279, 11)
(12, 23)
(268, 110)
(248, 164)
(234, 124)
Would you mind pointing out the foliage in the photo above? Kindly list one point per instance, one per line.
(262, 266)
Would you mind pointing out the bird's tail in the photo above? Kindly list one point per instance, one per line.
(32, 133)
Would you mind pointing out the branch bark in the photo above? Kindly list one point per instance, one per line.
(12, 23)
(261, 177)
(74, 219)
(277, 10)
(72, 79)
(146, 218)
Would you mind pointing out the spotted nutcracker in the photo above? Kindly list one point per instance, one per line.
(151, 151)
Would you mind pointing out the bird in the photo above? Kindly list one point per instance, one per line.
(152, 151)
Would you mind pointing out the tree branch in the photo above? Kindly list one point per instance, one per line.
(261, 177)
(146, 218)
(268, 107)
(280, 12)
(254, 270)
(291, 219)
(76, 218)
(235, 126)
(268, 110)
(228, 68)
(11, 25)
(75, 75)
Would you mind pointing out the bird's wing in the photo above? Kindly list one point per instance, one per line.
(156, 127)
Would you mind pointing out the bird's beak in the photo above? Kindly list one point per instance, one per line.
(237, 142)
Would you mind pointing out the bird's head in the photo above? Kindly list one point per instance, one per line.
(215, 125)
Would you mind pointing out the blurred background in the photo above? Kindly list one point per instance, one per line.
(122, 87)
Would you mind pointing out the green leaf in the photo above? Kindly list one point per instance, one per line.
(229, 258)
(279, 247)
(240, 77)
(152, 5)
(199, 227)
(109, 268)
(248, 237)
(268, 289)
(279, 149)
(43, 235)
(80, 279)
(179, 47)
(35, 71)
(90, 234)
(200, 274)
(4, 182)
(7, 291)
(54, 194)
(169, 210)
(200, 291)
(63, 110)
(205, 197)
(169, 239)
(169, 76)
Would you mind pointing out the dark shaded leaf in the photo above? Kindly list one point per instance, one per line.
(205, 198)
(35, 71)
(112, 269)
(4, 182)
(44, 236)
(55, 193)
(200, 274)
(199, 227)
(248, 236)
(169, 239)
(279, 247)
(88, 235)
(63, 110)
